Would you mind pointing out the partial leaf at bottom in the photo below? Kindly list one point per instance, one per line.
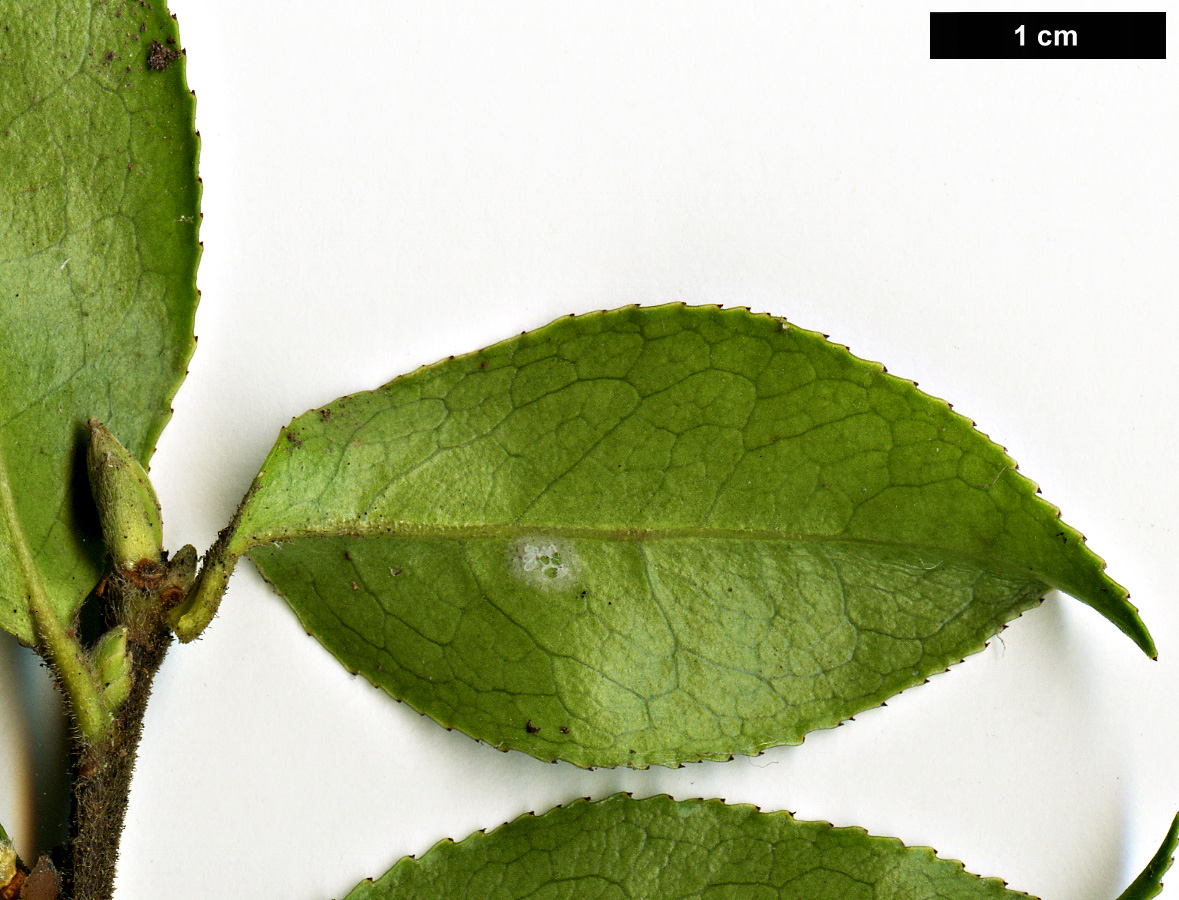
(660, 849)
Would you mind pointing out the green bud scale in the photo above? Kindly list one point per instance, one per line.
(127, 507)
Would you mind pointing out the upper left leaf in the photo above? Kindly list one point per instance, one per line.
(99, 211)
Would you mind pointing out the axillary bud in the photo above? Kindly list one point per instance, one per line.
(112, 664)
(127, 507)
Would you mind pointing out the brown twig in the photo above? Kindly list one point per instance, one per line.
(103, 774)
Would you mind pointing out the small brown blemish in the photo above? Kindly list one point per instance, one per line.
(160, 57)
(564, 729)
(530, 728)
(147, 574)
(171, 596)
(42, 883)
(354, 587)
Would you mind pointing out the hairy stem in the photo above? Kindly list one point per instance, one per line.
(104, 780)
(104, 767)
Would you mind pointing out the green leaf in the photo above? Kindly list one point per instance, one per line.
(1149, 883)
(658, 849)
(98, 252)
(654, 535)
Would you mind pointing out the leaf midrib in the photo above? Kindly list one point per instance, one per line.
(629, 535)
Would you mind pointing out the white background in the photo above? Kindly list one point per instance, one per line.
(390, 183)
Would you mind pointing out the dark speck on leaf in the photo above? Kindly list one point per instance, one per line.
(530, 728)
(564, 729)
(160, 57)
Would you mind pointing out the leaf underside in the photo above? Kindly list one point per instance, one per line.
(660, 849)
(98, 251)
(654, 535)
